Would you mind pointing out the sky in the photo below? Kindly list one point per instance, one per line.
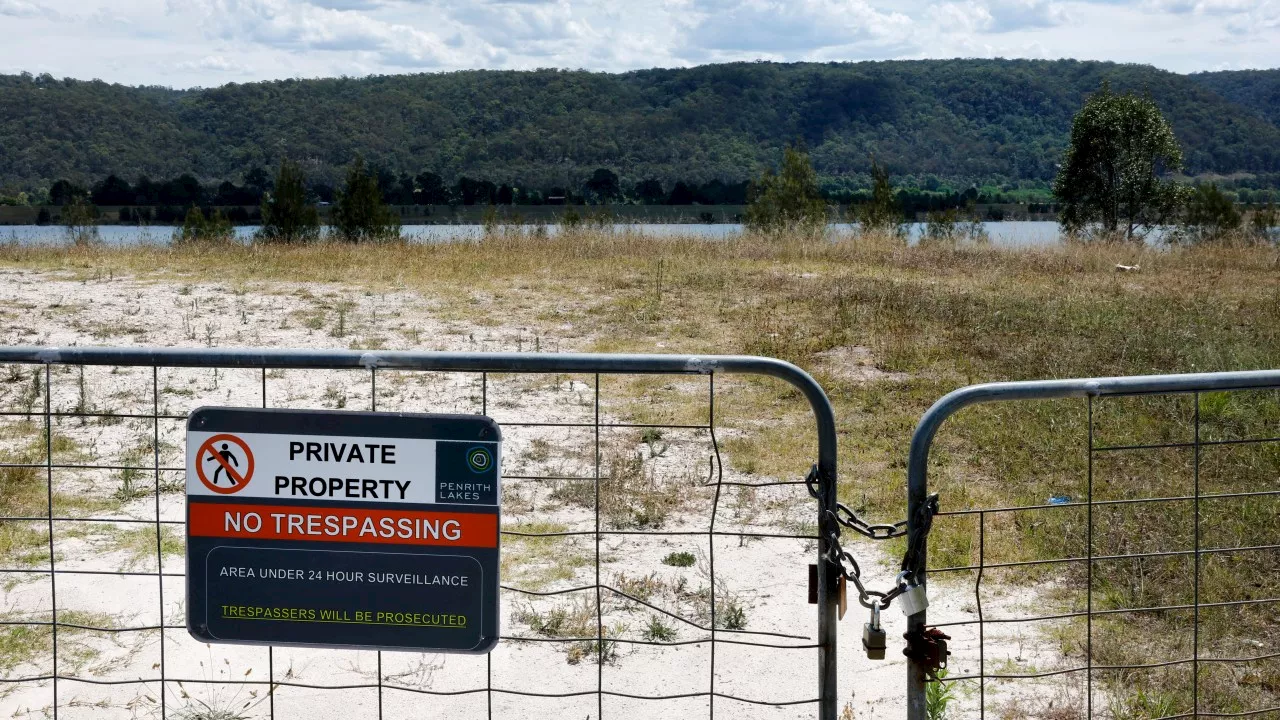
(187, 43)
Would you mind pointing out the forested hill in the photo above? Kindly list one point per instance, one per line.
(1258, 90)
(959, 121)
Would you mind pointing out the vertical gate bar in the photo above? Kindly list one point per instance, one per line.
(1088, 617)
(155, 417)
(373, 407)
(711, 553)
(977, 593)
(599, 617)
(53, 571)
(271, 650)
(488, 657)
(1195, 625)
(828, 681)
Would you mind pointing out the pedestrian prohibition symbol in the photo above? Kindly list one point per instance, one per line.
(233, 465)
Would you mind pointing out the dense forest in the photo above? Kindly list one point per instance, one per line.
(935, 124)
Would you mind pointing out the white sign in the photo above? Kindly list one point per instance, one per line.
(312, 467)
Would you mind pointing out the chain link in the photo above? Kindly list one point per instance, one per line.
(834, 553)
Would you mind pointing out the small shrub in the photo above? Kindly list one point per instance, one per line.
(630, 494)
(359, 215)
(938, 696)
(1210, 215)
(789, 198)
(607, 649)
(881, 215)
(730, 615)
(81, 221)
(199, 228)
(658, 631)
(679, 559)
(287, 217)
(1263, 223)
(644, 587)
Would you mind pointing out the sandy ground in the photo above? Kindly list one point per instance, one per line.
(764, 578)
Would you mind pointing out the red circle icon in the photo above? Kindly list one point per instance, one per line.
(229, 459)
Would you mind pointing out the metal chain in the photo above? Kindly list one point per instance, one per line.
(843, 517)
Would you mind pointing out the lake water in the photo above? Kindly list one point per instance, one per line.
(1007, 234)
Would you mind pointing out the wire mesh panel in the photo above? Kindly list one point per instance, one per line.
(1112, 551)
(631, 558)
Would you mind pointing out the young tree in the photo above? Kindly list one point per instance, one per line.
(81, 222)
(1120, 147)
(287, 217)
(1263, 223)
(64, 192)
(112, 191)
(882, 214)
(430, 189)
(789, 197)
(1210, 215)
(681, 194)
(197, 228)
(603, 187)
(649, 192)
(359, 214)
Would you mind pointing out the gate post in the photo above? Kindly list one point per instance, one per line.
(917, 494)
(827, 571)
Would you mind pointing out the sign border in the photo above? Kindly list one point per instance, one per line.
(441, 427)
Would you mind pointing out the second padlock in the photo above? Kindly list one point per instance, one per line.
(874, 640)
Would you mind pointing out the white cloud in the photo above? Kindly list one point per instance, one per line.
(1000, 16)
(203, 42)
(1204, 7)
(214, 63)
(25, 9)
(346, 4)
(792, 27)
(1008, 15)
(301, 27)
(1262, 20)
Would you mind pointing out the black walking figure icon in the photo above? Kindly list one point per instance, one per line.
(226, 455)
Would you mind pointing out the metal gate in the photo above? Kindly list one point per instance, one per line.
(49, 393)
(1192, 595)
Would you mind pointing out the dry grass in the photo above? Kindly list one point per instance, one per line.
(932, 318)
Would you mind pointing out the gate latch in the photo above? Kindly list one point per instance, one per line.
(927, 647)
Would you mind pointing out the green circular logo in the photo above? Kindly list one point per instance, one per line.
(479, 459)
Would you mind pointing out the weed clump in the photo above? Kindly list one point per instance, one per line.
(679, 559)
(631, 494)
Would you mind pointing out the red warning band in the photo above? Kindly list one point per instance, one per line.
(392, 527)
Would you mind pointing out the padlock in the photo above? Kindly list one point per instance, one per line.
(873, 638)
(913, 600)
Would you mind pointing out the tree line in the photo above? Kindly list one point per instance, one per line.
(426, 188)
(167, 201)
(287, 214)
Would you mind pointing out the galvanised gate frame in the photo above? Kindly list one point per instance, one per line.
(482, 364)
(1092, 390)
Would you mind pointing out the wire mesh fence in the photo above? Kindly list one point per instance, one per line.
(1112, 551)
(627, 546)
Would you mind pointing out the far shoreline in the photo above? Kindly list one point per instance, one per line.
(496, 214)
